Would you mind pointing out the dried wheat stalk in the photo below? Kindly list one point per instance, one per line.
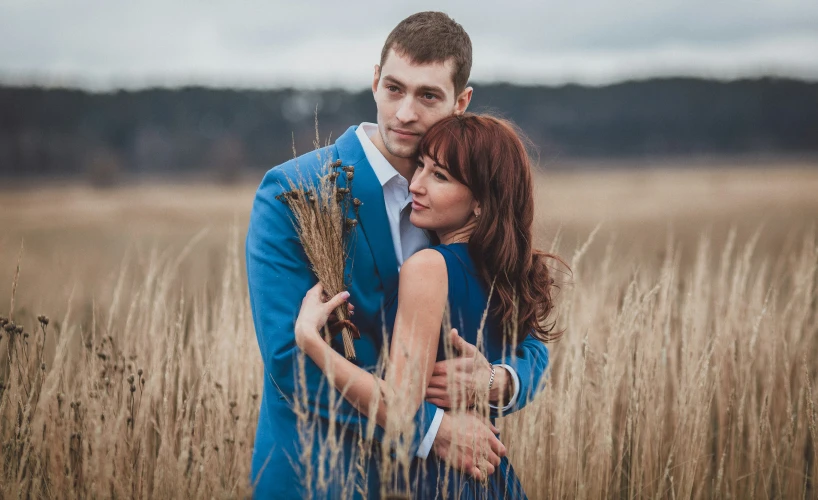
(320, 219)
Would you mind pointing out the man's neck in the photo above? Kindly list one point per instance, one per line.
(404, 166)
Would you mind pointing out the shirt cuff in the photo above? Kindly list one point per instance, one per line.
(515, 379)
(426, 444)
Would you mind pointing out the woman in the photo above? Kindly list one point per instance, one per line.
(472, 190)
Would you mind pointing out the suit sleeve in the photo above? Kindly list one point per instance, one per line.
(529, 361)
(279, 275)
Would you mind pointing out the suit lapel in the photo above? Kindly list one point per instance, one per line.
(372, 213)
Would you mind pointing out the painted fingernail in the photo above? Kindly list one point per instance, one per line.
(345, 295)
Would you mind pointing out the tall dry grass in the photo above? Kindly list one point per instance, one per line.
(153, 397)
(688, 368)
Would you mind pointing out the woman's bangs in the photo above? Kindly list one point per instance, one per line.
(442, 145)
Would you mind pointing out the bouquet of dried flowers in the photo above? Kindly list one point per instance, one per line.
(320, 216)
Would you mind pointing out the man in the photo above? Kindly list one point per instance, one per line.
(422, 76)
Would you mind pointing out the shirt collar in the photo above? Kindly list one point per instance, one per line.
(383, 169)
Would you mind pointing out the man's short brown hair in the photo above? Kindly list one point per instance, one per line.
(430, 37)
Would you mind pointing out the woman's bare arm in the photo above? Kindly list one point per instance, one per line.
(422, 297)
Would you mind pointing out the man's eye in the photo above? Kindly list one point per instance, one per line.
(391, 88)
(429, 97)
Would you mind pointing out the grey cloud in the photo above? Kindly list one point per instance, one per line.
(255, 39)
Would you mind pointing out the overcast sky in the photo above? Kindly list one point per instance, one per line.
(102, 44)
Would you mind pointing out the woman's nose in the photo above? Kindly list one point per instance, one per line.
(416, 186)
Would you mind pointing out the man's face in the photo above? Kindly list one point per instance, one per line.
(410, 99)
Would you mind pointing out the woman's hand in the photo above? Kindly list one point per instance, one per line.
(314, 314)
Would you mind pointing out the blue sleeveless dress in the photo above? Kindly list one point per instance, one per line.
(468, 298)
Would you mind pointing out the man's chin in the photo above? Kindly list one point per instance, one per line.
(403, 151)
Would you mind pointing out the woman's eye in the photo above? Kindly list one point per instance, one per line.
(441, 176)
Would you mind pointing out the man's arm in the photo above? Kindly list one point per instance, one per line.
(278, 277)
(526, 366)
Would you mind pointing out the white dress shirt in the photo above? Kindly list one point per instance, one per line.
(406, 242)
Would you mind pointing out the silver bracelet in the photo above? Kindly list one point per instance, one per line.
(491, 380)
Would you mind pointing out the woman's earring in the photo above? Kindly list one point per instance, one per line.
(476, 215)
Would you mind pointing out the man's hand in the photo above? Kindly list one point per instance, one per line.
(455, 381)
(468, 443)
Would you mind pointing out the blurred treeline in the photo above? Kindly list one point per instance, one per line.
(67, 133)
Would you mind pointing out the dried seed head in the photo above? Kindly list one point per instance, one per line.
(60, 398)
(42, 367)
(43, 319)
(350, 176)
(332, 176)
(139, 372)
(351, 223)
(130, 379)
(102, 417)
(343, 190)
(3, 320)
(356, 202)
(218, 386)
(102, 356)
(10, 327)
(233, 404)
(254, 396)
(25, 334)
(336, 164)
(133, 388)
(349, 169)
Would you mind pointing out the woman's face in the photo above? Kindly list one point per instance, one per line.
(440, 203)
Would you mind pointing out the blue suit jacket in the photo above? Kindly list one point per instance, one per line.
(279, 276)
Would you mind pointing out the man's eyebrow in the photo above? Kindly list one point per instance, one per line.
(394, 80)
(422, 88)
(431, 88)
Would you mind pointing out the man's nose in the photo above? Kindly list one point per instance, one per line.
(406, 112)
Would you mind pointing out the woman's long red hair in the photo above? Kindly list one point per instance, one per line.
(487, 154)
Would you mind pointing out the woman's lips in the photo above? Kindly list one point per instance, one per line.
(418, 206)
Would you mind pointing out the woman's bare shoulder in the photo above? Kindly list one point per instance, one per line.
(426, 261)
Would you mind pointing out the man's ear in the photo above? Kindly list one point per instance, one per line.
(463, 100)
(376, 78)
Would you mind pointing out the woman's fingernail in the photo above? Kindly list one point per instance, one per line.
(345, 295)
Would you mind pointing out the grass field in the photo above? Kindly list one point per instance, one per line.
(688, 368)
